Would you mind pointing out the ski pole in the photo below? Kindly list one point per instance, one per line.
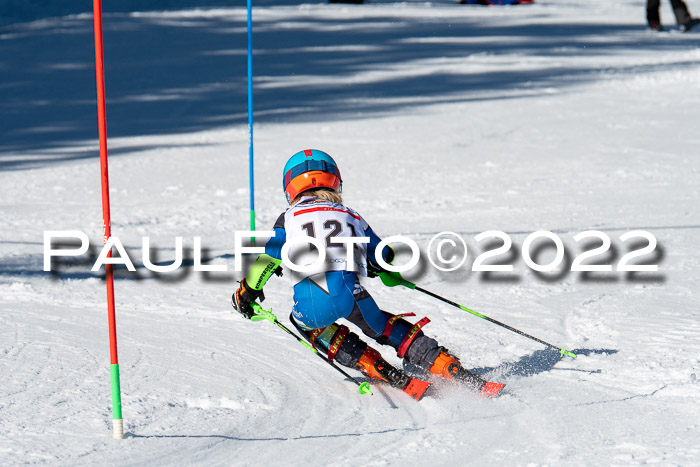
(262, 315)
(392, 279)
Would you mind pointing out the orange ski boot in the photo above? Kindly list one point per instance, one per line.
(445, 365)
(374, 366)
(448, 367)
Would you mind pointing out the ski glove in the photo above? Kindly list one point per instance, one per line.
(243, 297)
(392, 279)
(374, 269)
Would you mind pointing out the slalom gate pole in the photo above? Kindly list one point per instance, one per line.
(117, 422)
(392, 279)
(250, 117)
(262, 315)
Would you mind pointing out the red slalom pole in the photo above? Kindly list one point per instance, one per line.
(117, 422)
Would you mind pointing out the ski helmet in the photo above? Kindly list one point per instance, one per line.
(309, 169)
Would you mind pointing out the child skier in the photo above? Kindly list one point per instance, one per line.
(312, 185)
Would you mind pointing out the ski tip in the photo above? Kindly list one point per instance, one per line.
(416, 388)
(491, 390)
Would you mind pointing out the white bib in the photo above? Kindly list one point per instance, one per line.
(325, 221)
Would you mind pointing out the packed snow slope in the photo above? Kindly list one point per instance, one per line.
(566, 116)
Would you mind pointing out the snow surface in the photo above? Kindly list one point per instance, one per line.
(566, 115)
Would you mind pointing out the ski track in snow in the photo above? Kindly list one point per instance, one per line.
(564, 116)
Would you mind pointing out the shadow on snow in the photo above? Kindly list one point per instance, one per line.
(538, 362)
(175, 74)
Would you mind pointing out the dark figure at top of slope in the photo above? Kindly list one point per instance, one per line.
(680, 9)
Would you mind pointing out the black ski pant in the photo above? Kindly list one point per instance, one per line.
(679, 9)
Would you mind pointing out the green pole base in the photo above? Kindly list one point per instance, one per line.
(365, 389)
(117, 422)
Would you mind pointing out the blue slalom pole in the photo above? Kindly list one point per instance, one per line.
(250, 116)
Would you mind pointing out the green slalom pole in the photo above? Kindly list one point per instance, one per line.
(266, 315)
(392, 279)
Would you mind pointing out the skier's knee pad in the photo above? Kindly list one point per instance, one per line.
(350, 350)
(345, 350)
(423, 351)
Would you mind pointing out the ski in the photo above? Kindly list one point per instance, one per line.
(416, 388)
(492, 390)
(485, 388)
(462, 377)
(399, 379)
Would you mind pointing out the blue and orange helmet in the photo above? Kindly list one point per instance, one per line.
(310, 169)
